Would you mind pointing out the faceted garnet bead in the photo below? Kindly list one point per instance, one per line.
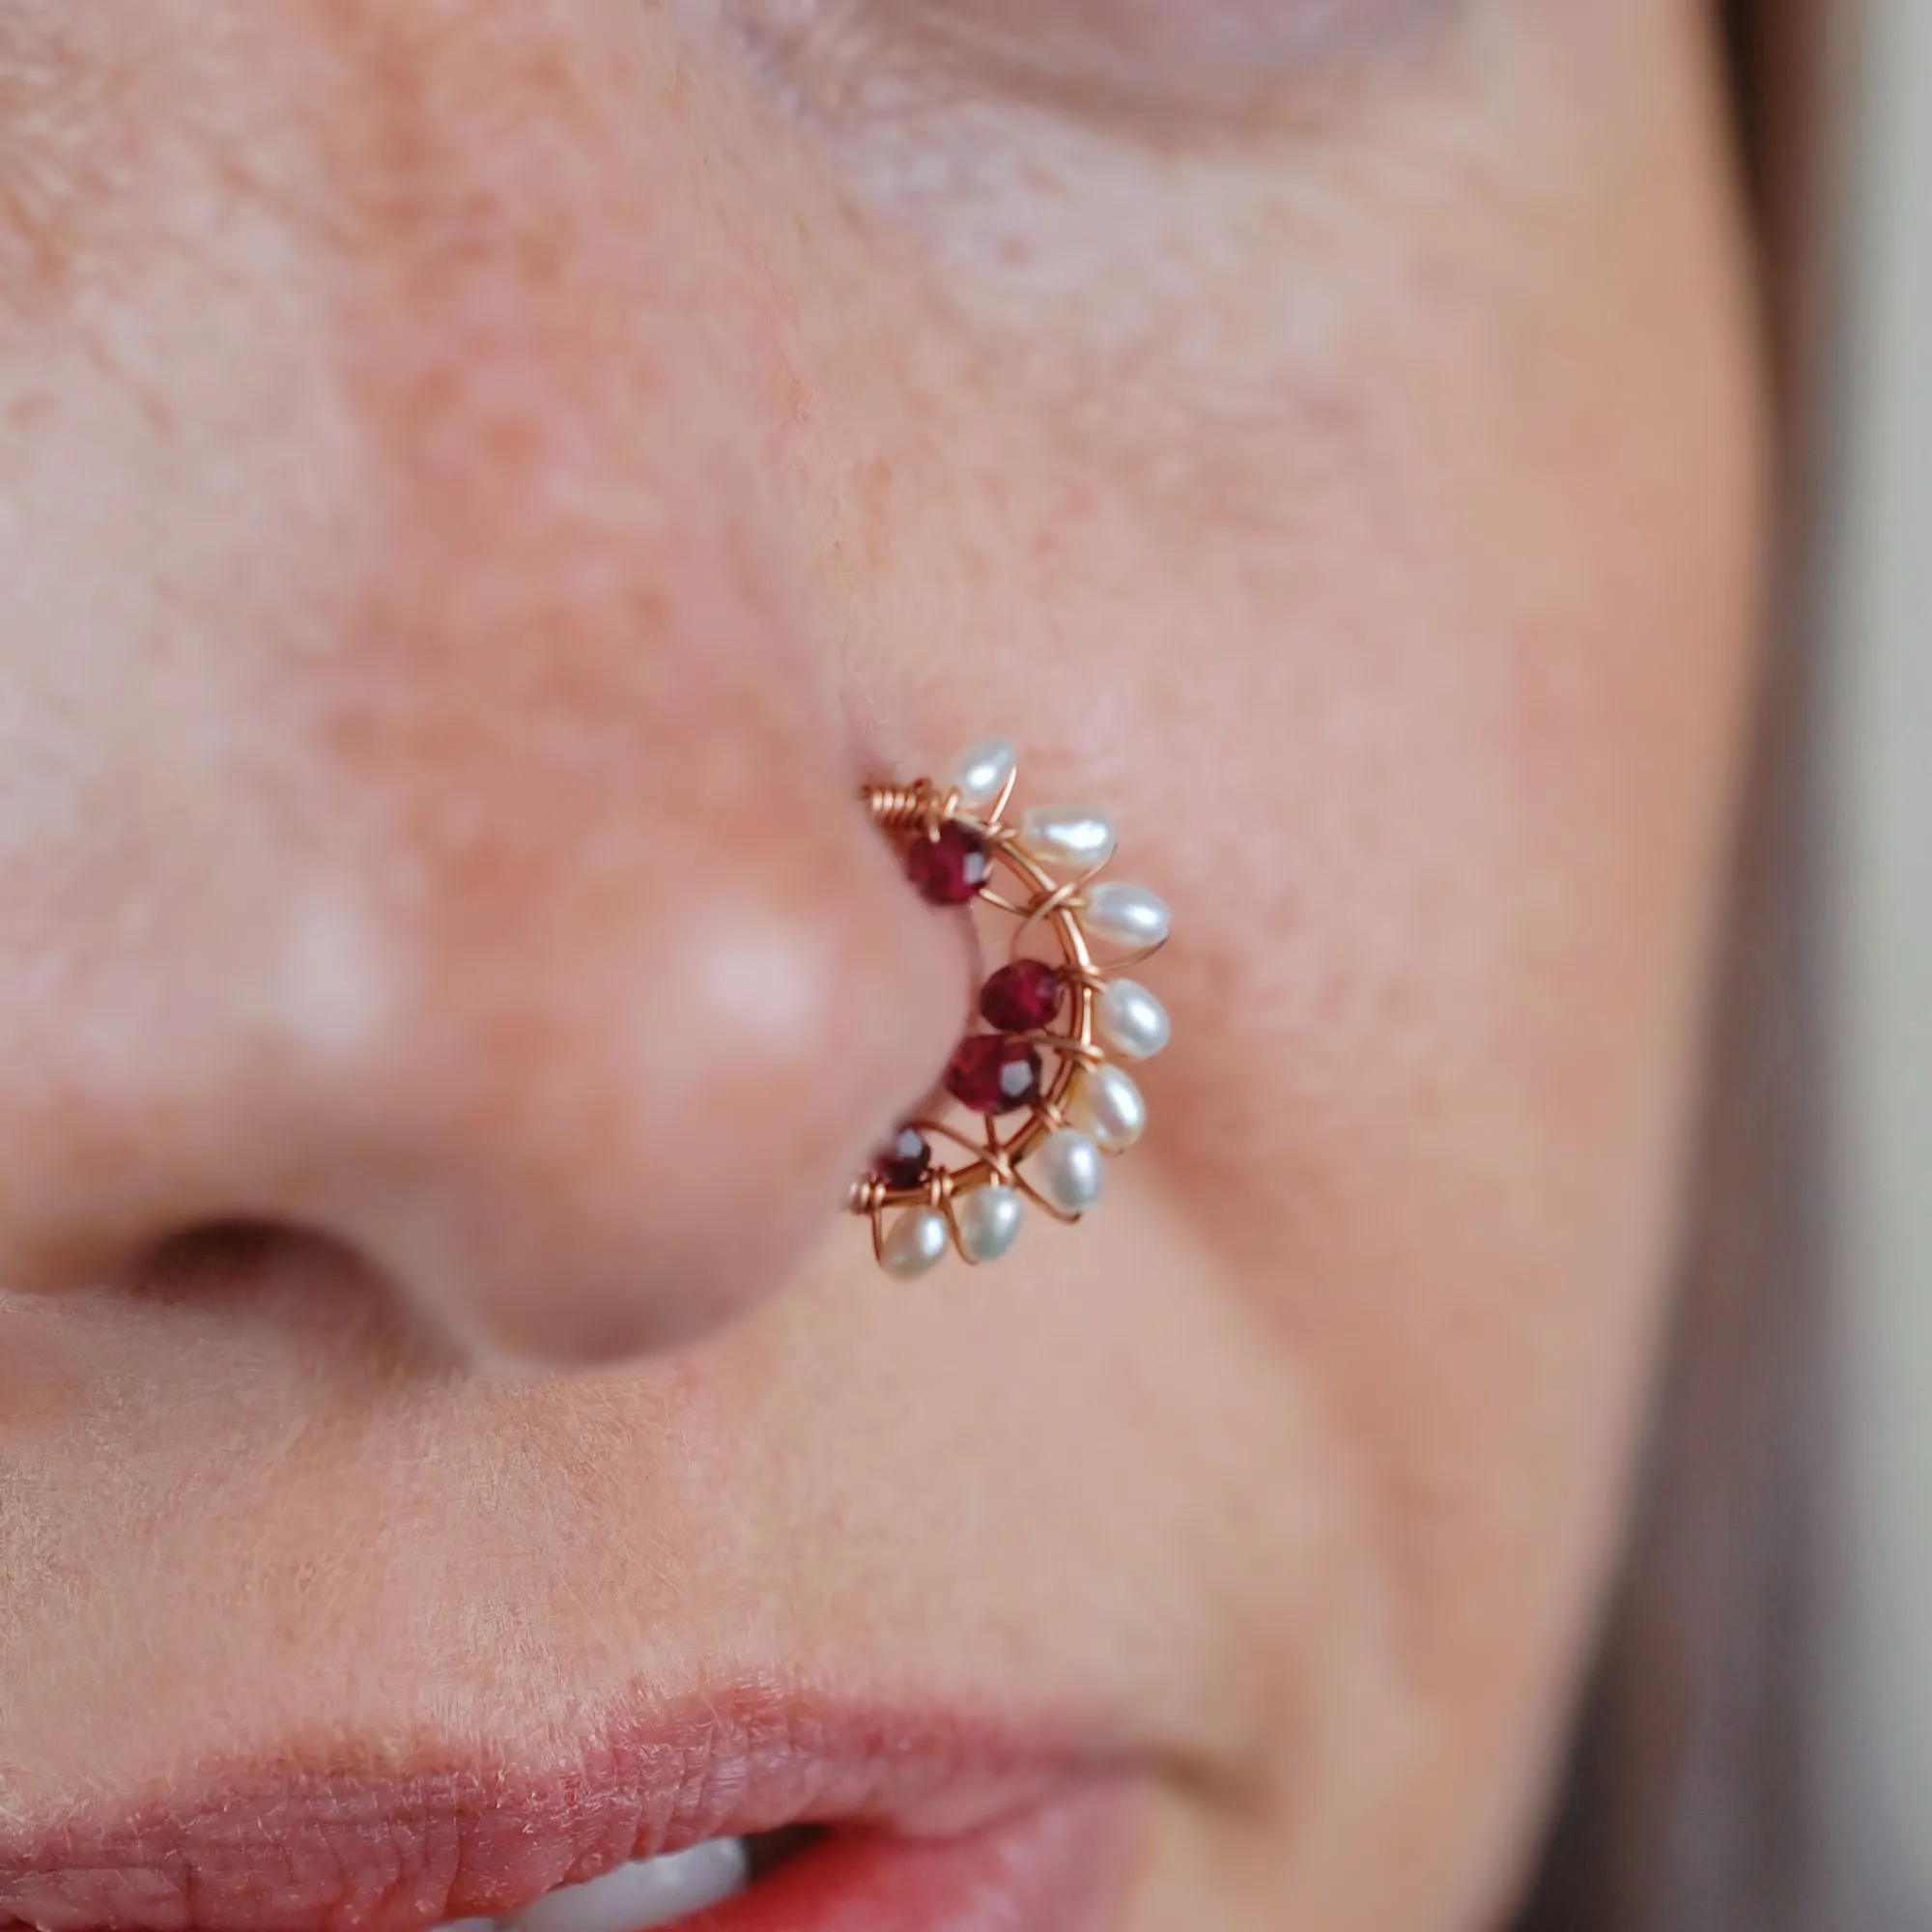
(993, 1074)
(950, 870)
(1023, 997)
(905, 1160)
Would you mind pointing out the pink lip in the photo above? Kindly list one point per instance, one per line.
(936, 1826)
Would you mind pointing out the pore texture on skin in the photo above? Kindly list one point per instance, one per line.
(483, 485)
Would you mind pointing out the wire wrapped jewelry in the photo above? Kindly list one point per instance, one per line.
(1057, 1029)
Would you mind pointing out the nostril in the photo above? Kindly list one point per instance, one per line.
(254, 1274)
(611, 1097)
(210, 1260)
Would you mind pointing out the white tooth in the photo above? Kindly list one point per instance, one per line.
(469, 1926)
(652, 1892)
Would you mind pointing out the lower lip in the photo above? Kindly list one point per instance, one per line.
(1056, 1868)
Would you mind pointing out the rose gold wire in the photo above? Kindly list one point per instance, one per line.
(1000, 904)
(922, 806)
(1000, 804)
(951, 1211)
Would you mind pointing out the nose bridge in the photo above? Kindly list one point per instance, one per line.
(577, 658)
(531, 329)
(577, 751)
(535, 946)
(555, 372)
(452, 132)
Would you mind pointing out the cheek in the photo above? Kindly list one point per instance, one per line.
(1418, 677)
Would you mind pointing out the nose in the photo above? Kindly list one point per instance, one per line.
(447, 844)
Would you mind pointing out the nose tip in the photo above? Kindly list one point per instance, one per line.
(567, 1117)
(622, 1175)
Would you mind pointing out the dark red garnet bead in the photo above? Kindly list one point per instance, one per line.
(905, 1160)
(993, 1074)
(950, 870)
(1023, 997)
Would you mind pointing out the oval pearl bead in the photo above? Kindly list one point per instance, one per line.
(915, 1243)
(990, 1221)
(983, 770)
(1132, 1021)
(1067, 835)
(1128, 915)
(1108, 1104)
(1069, 1169)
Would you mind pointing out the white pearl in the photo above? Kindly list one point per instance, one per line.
(1067, 835)
(983, 770)
(915, 1243)
(1069, 1170)
(1132, 1021)
(1108, 1104)
(990, 1221)
(1128, 915)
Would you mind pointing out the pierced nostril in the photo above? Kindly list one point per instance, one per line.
(207, 1261)
(550, 1115)
(301, 1281)
(229, 1261)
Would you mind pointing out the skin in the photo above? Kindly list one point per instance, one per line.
(482, 484)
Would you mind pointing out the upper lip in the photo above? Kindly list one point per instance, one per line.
(345, 1838)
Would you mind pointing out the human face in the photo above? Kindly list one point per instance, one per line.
(483, 485)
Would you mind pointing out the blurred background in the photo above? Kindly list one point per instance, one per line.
(1877, 808)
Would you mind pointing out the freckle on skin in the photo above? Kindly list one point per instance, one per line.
(65, 124)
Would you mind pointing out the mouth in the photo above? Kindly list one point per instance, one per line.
(743, 1814)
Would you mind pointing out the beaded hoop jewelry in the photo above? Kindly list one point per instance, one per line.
(1073, 1012)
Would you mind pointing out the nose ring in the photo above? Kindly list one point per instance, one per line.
(1043, 1080)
